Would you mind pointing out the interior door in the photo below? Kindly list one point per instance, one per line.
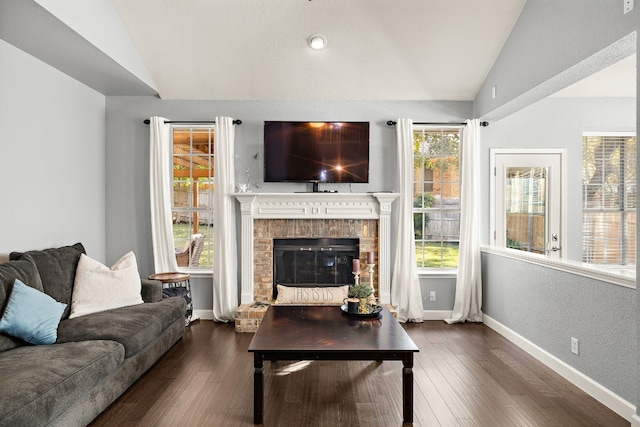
(527, 202)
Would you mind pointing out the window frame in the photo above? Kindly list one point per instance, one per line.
(439, 272)
(208, 210)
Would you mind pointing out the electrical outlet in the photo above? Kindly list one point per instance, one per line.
(628, 6)
(574, 345)
(432, 295)
(494, 92)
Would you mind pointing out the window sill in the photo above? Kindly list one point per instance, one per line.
(197, 272)
(620, 278)
(437, 273)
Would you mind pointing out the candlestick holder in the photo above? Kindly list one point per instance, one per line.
(356, 276)
(372, 297)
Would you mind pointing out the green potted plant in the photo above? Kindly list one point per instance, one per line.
(360, 291)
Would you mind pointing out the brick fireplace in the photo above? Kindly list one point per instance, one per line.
(268, 216)
(265, 230)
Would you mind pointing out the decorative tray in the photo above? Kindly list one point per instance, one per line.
(374, 310)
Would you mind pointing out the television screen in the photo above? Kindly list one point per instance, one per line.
(316, 152)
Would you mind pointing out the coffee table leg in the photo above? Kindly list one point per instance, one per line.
(258, 388)
(407, 388)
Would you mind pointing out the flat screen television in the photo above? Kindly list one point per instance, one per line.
(316, 152)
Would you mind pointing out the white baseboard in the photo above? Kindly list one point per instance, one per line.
(583, 382)
(203, 314)
(436, 314)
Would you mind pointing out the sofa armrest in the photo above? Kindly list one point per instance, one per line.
(151, 290)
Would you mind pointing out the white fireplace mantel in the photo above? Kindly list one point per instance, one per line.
(316, 206)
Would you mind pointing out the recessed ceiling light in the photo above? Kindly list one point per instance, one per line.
(317, 41)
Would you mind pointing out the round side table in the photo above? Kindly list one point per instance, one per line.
(177, 284)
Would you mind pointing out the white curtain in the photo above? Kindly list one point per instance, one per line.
(225, 276)
(160, 176)
(468, 300)
(405, 286)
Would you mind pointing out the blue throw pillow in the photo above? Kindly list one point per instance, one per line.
(31, 315)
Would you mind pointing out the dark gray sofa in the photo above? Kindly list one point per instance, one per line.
(95, 358)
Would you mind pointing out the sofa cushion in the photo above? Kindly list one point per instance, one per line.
(31, 315)
(99, 288)
(41, 382)
(134, 327)
(57, 267)
(26, 271)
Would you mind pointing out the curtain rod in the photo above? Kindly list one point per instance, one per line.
(393, 123)
(193, 122)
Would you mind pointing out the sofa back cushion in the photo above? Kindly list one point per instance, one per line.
(26, 271)
(57, 267)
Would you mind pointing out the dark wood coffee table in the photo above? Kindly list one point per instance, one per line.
(326, 333)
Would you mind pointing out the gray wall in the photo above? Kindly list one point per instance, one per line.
(552, 45)
(51, 158)
(445, 288)
(127, 158)
(548, 307)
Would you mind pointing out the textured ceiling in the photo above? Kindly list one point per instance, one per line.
(377, 49)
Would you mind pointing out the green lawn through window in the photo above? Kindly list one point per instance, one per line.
(435, 256)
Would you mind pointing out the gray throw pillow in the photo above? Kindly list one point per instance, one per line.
(57, 267)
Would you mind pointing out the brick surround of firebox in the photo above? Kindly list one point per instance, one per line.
(276, 216)
(265, 230)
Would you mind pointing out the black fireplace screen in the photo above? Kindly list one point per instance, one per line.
(314, 262)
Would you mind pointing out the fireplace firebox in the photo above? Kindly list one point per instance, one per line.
(313, 262)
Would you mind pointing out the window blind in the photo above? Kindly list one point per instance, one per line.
(609, 199)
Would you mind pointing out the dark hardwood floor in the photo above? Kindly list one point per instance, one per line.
(465, 375)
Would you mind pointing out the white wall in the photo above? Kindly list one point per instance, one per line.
(52, 141)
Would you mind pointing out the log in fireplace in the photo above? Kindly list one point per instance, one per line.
(312, 262)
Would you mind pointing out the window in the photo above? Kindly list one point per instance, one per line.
(436, 196)
(609, 198)
(192, 198)
(526, 208)
(527, 199)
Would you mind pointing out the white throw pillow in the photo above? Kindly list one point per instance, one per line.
(99, 288)
(334, 295)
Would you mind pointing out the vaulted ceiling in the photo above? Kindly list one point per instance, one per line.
(257, 50)
(377, 49)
